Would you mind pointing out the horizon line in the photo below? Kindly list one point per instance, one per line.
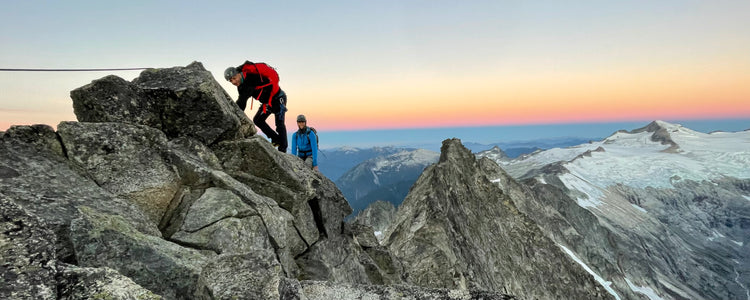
(580, 122)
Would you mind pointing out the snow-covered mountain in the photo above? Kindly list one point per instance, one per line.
(335, 162)
(663, 211)
(386, 178)
(495, 154)
(657, 156)
(514, 149)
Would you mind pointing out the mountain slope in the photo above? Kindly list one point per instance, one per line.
(457, 229)
(336, 161)
(386, 178)
(671, 202)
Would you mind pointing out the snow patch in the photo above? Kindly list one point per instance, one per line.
(348, 149)
(404, 159)
(746, 197)
(604, 283)
(714, 235)
(640, 208)
(375, 179)
(738, 243)
(649, 292)
(591, 194)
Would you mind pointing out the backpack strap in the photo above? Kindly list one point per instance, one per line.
(260, 87)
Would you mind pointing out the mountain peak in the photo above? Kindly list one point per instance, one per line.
(452, 149)
(458, 229)
(656, 126)
(661, 132)
(495, 153)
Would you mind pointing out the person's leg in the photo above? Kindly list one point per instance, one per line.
(280, 126)
(260, 121)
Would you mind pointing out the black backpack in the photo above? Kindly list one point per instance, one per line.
(317, 138)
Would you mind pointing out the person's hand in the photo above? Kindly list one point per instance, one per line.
(316, 168)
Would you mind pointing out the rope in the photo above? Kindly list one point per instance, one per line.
(72, 70)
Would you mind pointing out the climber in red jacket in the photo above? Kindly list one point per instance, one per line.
(260, 81)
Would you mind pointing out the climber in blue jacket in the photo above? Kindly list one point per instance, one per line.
(305, 143)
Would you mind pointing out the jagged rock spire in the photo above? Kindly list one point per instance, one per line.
(457, 229)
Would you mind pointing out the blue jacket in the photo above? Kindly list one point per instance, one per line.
(307, 147)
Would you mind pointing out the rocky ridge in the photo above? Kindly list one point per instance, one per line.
(458, 229)
(161, 190)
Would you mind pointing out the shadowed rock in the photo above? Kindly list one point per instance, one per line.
(102, 240)
(317, 290)
(221, 222)
(124, 159)
(49, 186)
(27, 255)
(378, 215)
(255, 275)
(78, 283)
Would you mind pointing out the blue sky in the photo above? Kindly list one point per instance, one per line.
(402, 64)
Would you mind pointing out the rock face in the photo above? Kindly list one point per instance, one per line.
(457, 229)
(37, 176)
(161, 190)
(125, 160)
(181, 101)
(78, 283)
(316, 290)
(378, 215)
(27, 249)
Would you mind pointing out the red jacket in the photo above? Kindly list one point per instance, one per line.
(259, 81)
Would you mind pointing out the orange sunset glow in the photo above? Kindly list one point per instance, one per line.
(556, 97)
(401, 65)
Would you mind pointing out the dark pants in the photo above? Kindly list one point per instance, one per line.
(278, 109)
(307, 159)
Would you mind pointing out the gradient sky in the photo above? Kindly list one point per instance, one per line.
(401, 64)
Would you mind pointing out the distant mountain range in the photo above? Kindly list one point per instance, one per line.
(387, 173)
(386, 178)
(336, 161)
(659, 212)
(517, 148)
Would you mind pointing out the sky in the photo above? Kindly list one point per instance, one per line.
(380, 65)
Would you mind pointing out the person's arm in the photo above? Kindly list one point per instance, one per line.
(314, 148)
(294, 144)
(245, 92)
(242, 102)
